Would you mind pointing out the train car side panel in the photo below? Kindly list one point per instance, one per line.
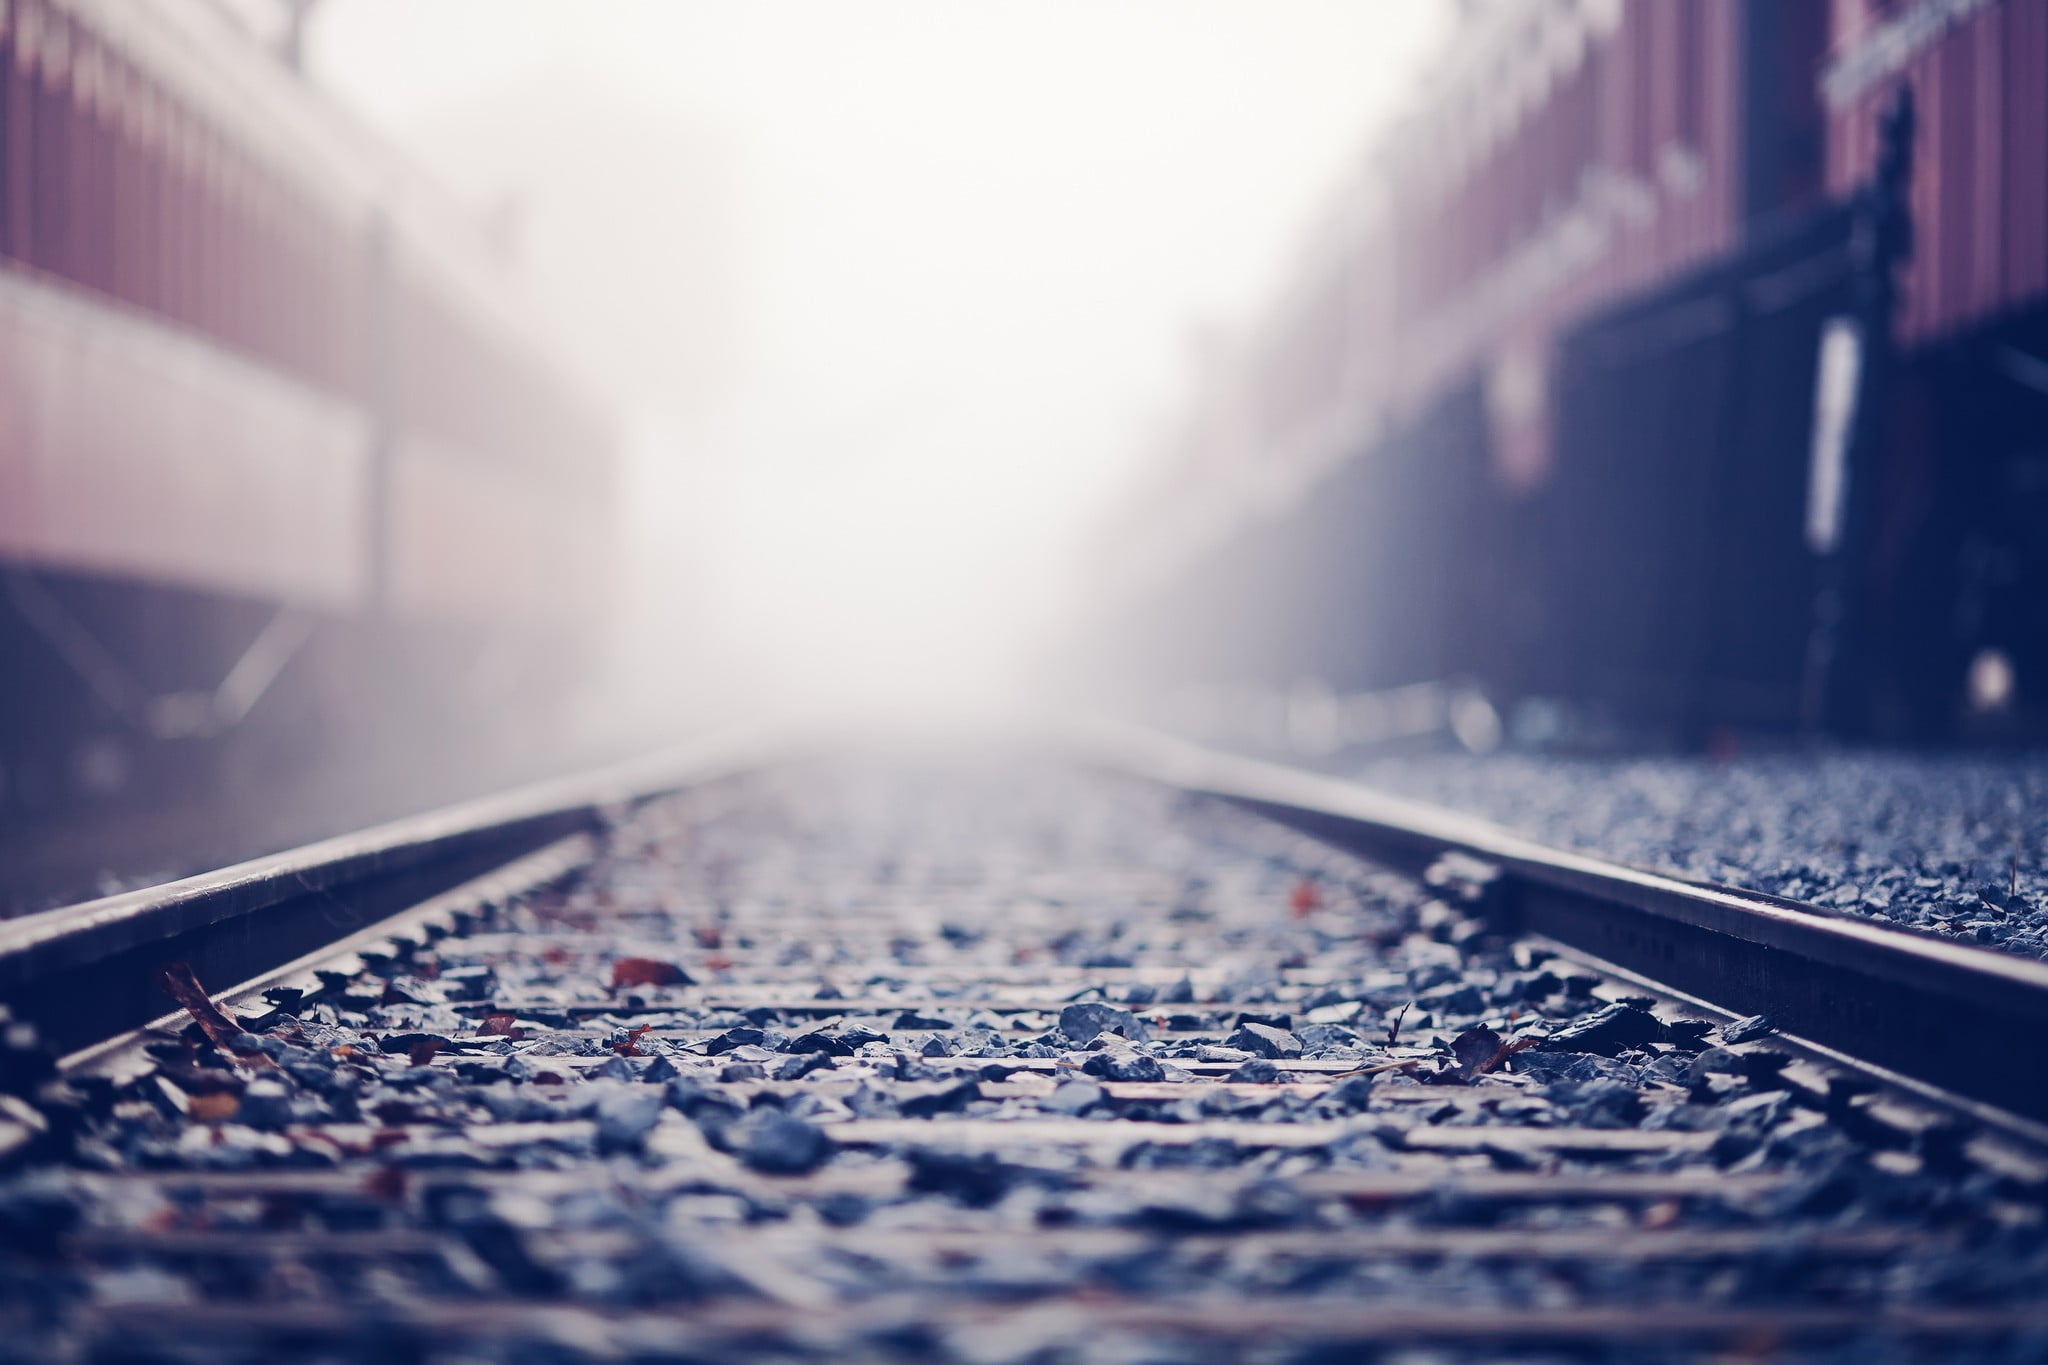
(133, 451)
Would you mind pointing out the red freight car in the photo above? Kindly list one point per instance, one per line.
(281, 473)
(1980, 192)
(1569, 155)
(1551, 368)
(1956, 570)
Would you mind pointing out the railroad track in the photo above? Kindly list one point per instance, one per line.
(824, 1060)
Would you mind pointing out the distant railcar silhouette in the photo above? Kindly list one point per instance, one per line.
(1684, 362)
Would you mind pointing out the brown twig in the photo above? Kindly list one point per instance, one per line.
(1394, 1028)
(1406, 1064)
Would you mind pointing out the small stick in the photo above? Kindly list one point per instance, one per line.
(1394, 1029)
(1404, 1065)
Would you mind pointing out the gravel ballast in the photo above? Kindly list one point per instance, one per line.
(989, 1066)
(1954, 844)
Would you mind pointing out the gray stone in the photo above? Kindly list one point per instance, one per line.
(625, 1114)
(1122, 1065)
(1263, 1040)
(783, 1145)
(1083, 1022)
(265, 1104)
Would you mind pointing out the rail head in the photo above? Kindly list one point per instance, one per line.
(1952, 1017)
(84, 972)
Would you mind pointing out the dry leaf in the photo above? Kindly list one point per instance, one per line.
(215, 1108)
(1480, 1050)
(647, 971)
(1304, 900)
(182, 985)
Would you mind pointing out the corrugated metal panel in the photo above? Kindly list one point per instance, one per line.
(1721, 41)
(154, 173)
(47, 154)
(2024, 164)
(1985, 38)
(208, 472)
(1681, 166)
(1955, 148)
(1623, 140)
(1920, 299)
(1659, 123)
(1979, 198)
(13, 135)
(1645, 191)
(80, 230)
(117, 98)
(1512, 214)
(1609, 146)
(1850, 142)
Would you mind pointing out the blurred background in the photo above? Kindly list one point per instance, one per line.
(402, 398)
(886, 297)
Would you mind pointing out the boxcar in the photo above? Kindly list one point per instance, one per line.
(1679, 362)
(287, 485)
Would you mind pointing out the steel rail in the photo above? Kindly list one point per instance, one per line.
(1958, 1021)
(84, 973)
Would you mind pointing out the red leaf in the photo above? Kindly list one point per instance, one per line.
(502, 1026)
(182, 985)
(629, 1046)
(647, 971)
(422, 1052)
(386, 1183)
(1304, 900)
(218, 1108)
(1480, 1050)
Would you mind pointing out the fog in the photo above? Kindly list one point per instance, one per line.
(888, 296)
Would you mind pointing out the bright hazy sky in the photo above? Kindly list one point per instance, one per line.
(899, 288)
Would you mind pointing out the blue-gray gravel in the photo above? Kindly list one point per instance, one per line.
(1952, 843)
